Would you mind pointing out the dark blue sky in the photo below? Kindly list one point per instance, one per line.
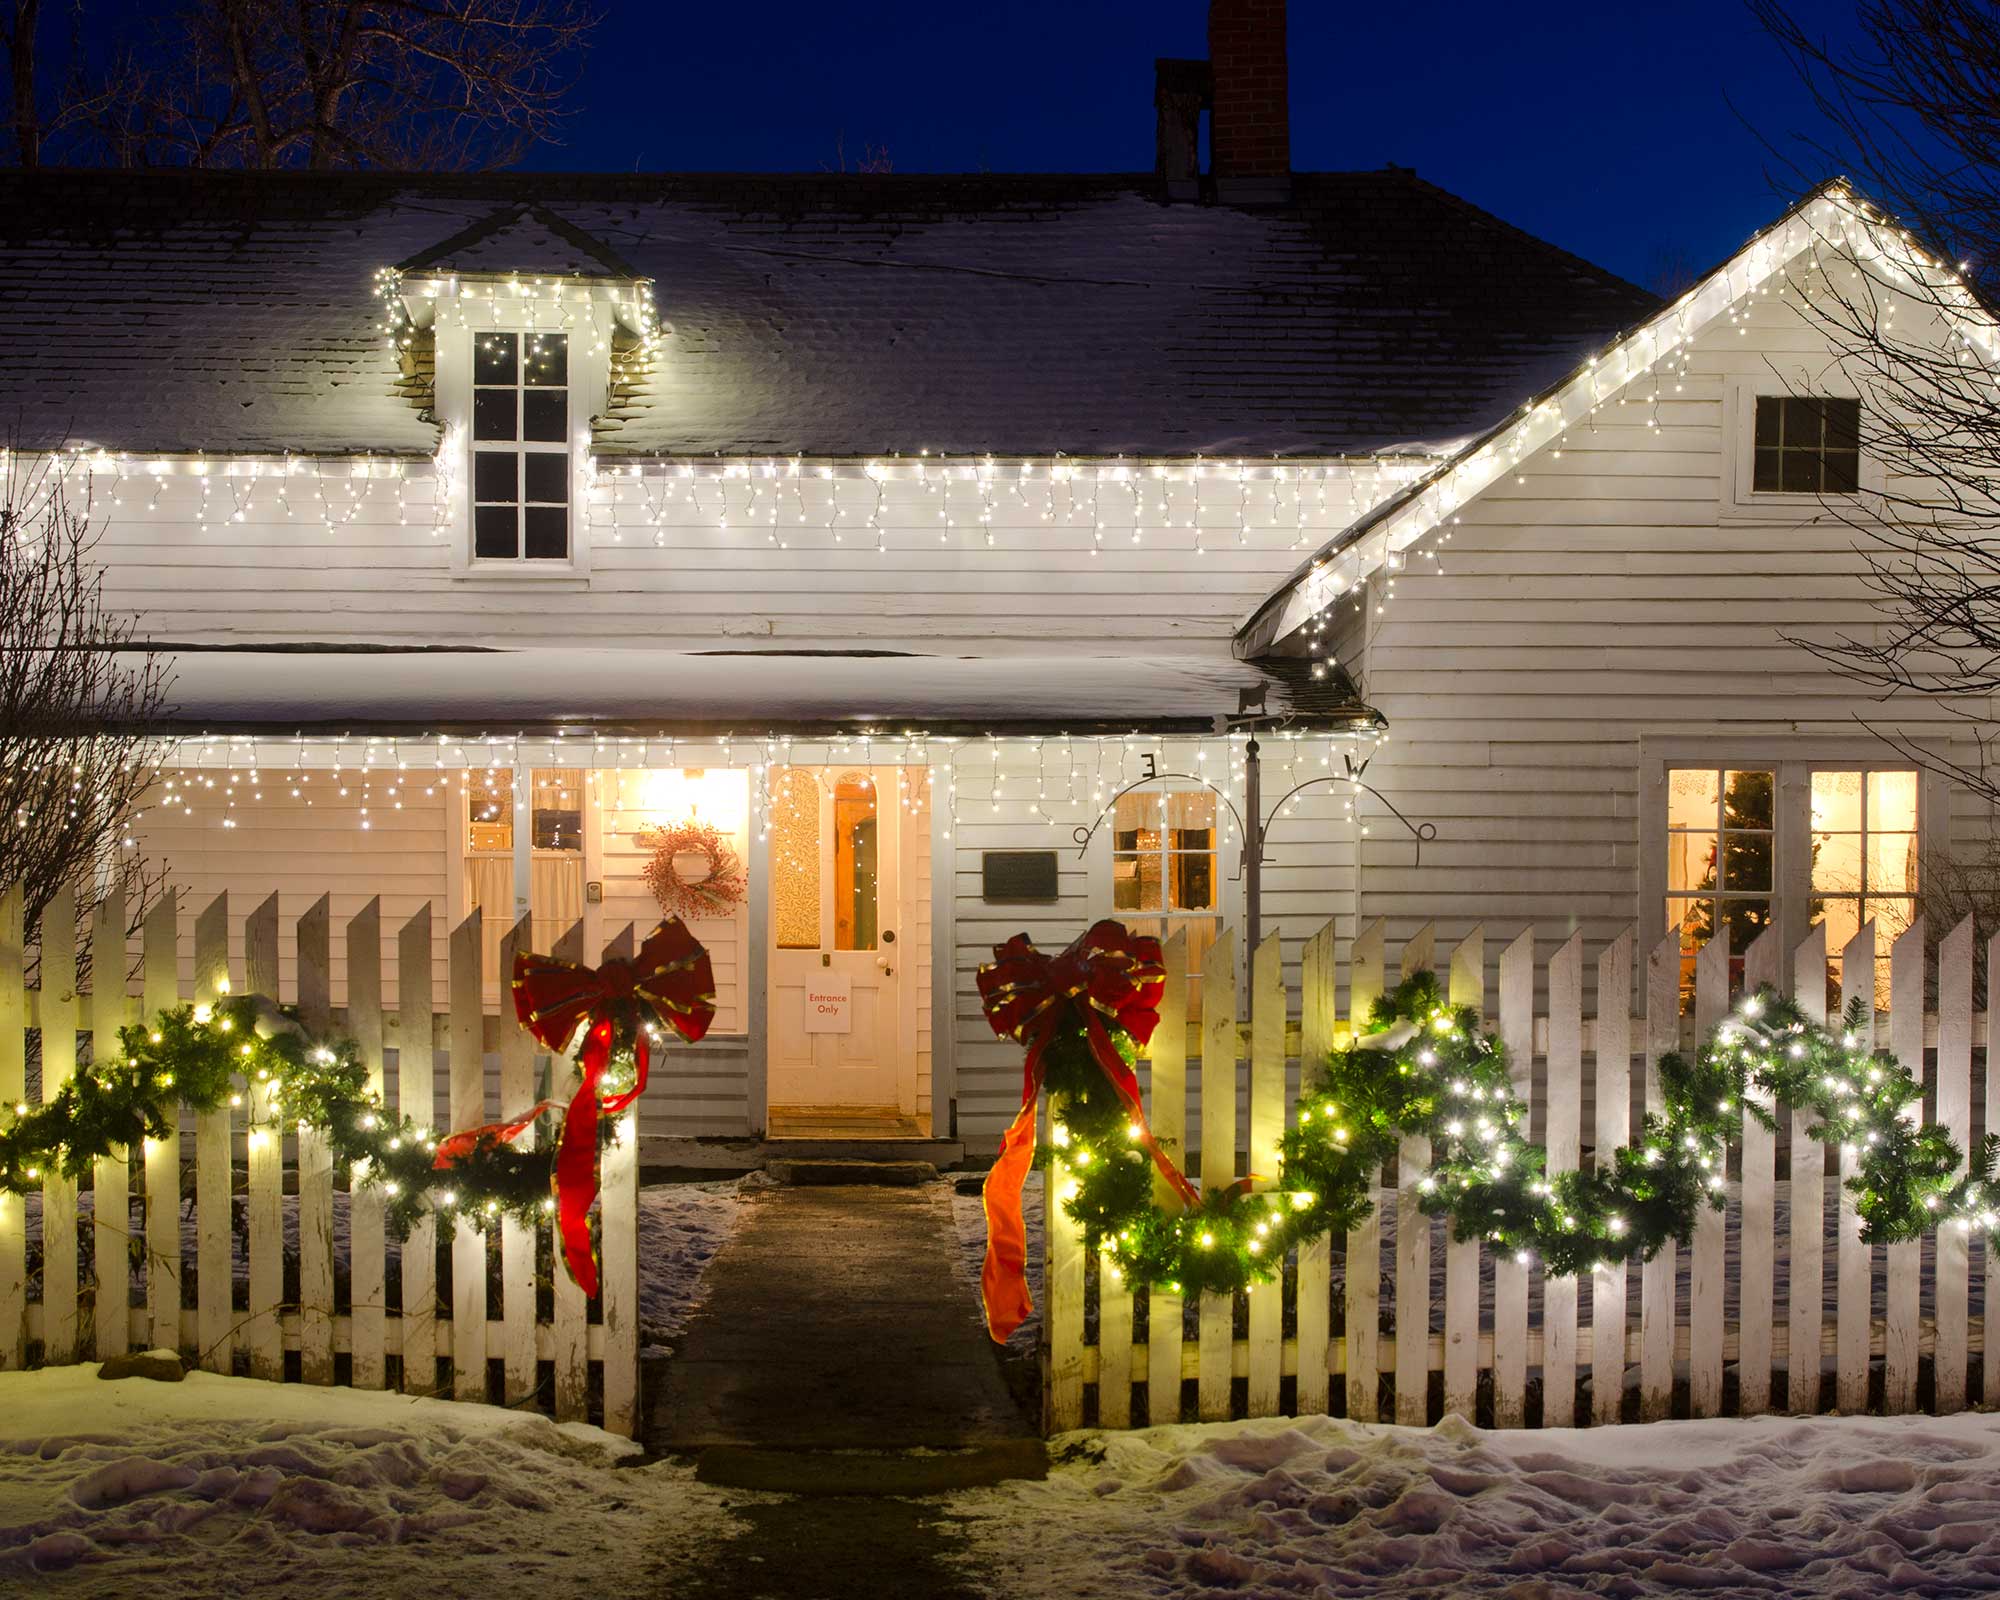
(1606, 127)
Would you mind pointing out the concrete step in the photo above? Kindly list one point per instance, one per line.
(895, 1174)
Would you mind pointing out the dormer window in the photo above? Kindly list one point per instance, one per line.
(1806, 445)
(520, 446)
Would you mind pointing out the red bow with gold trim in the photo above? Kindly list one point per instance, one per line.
(670, 983)
(1109, 978)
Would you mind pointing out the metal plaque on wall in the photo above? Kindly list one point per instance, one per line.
(1018, 876)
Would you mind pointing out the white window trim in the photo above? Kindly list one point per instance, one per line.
(1793, 760)
(454, 404)
(1743, 504)
(1228, 911)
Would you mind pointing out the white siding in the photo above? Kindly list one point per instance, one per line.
(664, 572)
(1596, 609)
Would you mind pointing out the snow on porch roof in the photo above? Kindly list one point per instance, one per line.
(748, 694)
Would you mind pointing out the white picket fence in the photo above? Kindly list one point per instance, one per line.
(1858, 1316)
(131, 1278)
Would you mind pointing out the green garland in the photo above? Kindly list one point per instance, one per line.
(1428, 1071)
(197, 1056)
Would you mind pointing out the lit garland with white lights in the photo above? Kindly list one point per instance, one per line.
(206, 1058)
(1428, 1071)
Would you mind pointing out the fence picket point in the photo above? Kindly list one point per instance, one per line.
(367, 1276)
(1854, 1281)
(1904, 1261)
(215, 1264)
(1757, 1217)
(1318, 1010)
(1611, 1068)
(1413, 1240)
(1564, 1139)
(1510, 1276)
(1216, 1317)
(111, 1176)
(1951, 1260)
(1167, 1114)
(1363, 1264)
(416, 1098)
(1805, 1267)
(13, 1089)
(1461, 1256)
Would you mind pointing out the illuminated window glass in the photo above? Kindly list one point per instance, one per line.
(520, 446)
(1864, 862)
(1721, 858)
(795, 797)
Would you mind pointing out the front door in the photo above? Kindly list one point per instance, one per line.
(836, 1030)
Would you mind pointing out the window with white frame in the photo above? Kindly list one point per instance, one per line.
(1165, 875)
(1836, 844)
(1806, 444)
(520, 446)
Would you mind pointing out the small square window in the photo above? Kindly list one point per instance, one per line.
(548, 479)
(1806, 445)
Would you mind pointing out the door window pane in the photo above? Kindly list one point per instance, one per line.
(556, 812)
(856, 832)
(795, 857)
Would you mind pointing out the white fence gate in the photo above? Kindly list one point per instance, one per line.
(161, 1259)
(1801, 1315)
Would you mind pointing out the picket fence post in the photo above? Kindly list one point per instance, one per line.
(1167, 1114)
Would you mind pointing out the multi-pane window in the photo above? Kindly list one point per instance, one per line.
(1163, 852)
(1807, 445)
(1164, 877)
(520, 446)
(1727, 829)
(1864, 860)
(1721, 854)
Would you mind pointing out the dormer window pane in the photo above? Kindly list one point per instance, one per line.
(493, 413)
(520, 493)
(548, 360)
(548, 479)
(496, 475)
(545, 415)
(494, 357)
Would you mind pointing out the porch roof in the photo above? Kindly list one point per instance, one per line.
(222, 689)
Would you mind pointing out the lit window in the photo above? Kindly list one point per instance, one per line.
(1721, 847)
(1864, 862)
(1164, 876)
(1808, 445)
(520, 446)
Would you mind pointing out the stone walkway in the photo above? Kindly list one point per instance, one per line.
(840, 1351)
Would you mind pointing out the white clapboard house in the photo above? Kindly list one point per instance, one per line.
(977, 554)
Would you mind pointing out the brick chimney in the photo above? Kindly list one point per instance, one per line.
(1250, 121)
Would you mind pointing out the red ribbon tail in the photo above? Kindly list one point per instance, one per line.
(1126, 1083)
(1003, 1279)
(576, 1162)
(466, 1140)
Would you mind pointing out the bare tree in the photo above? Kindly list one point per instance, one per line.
(1912, 113)
(77, 700)
(411, 84)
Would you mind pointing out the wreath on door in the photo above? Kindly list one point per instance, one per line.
(694, 871)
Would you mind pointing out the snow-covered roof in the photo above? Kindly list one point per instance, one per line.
(1830, 214)
(825, 314)
(225, 690)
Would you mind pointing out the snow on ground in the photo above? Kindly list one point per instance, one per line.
(681, 1226)
(1818, 1507)
(216, 1487)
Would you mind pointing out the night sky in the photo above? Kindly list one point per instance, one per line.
(1629, 133)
